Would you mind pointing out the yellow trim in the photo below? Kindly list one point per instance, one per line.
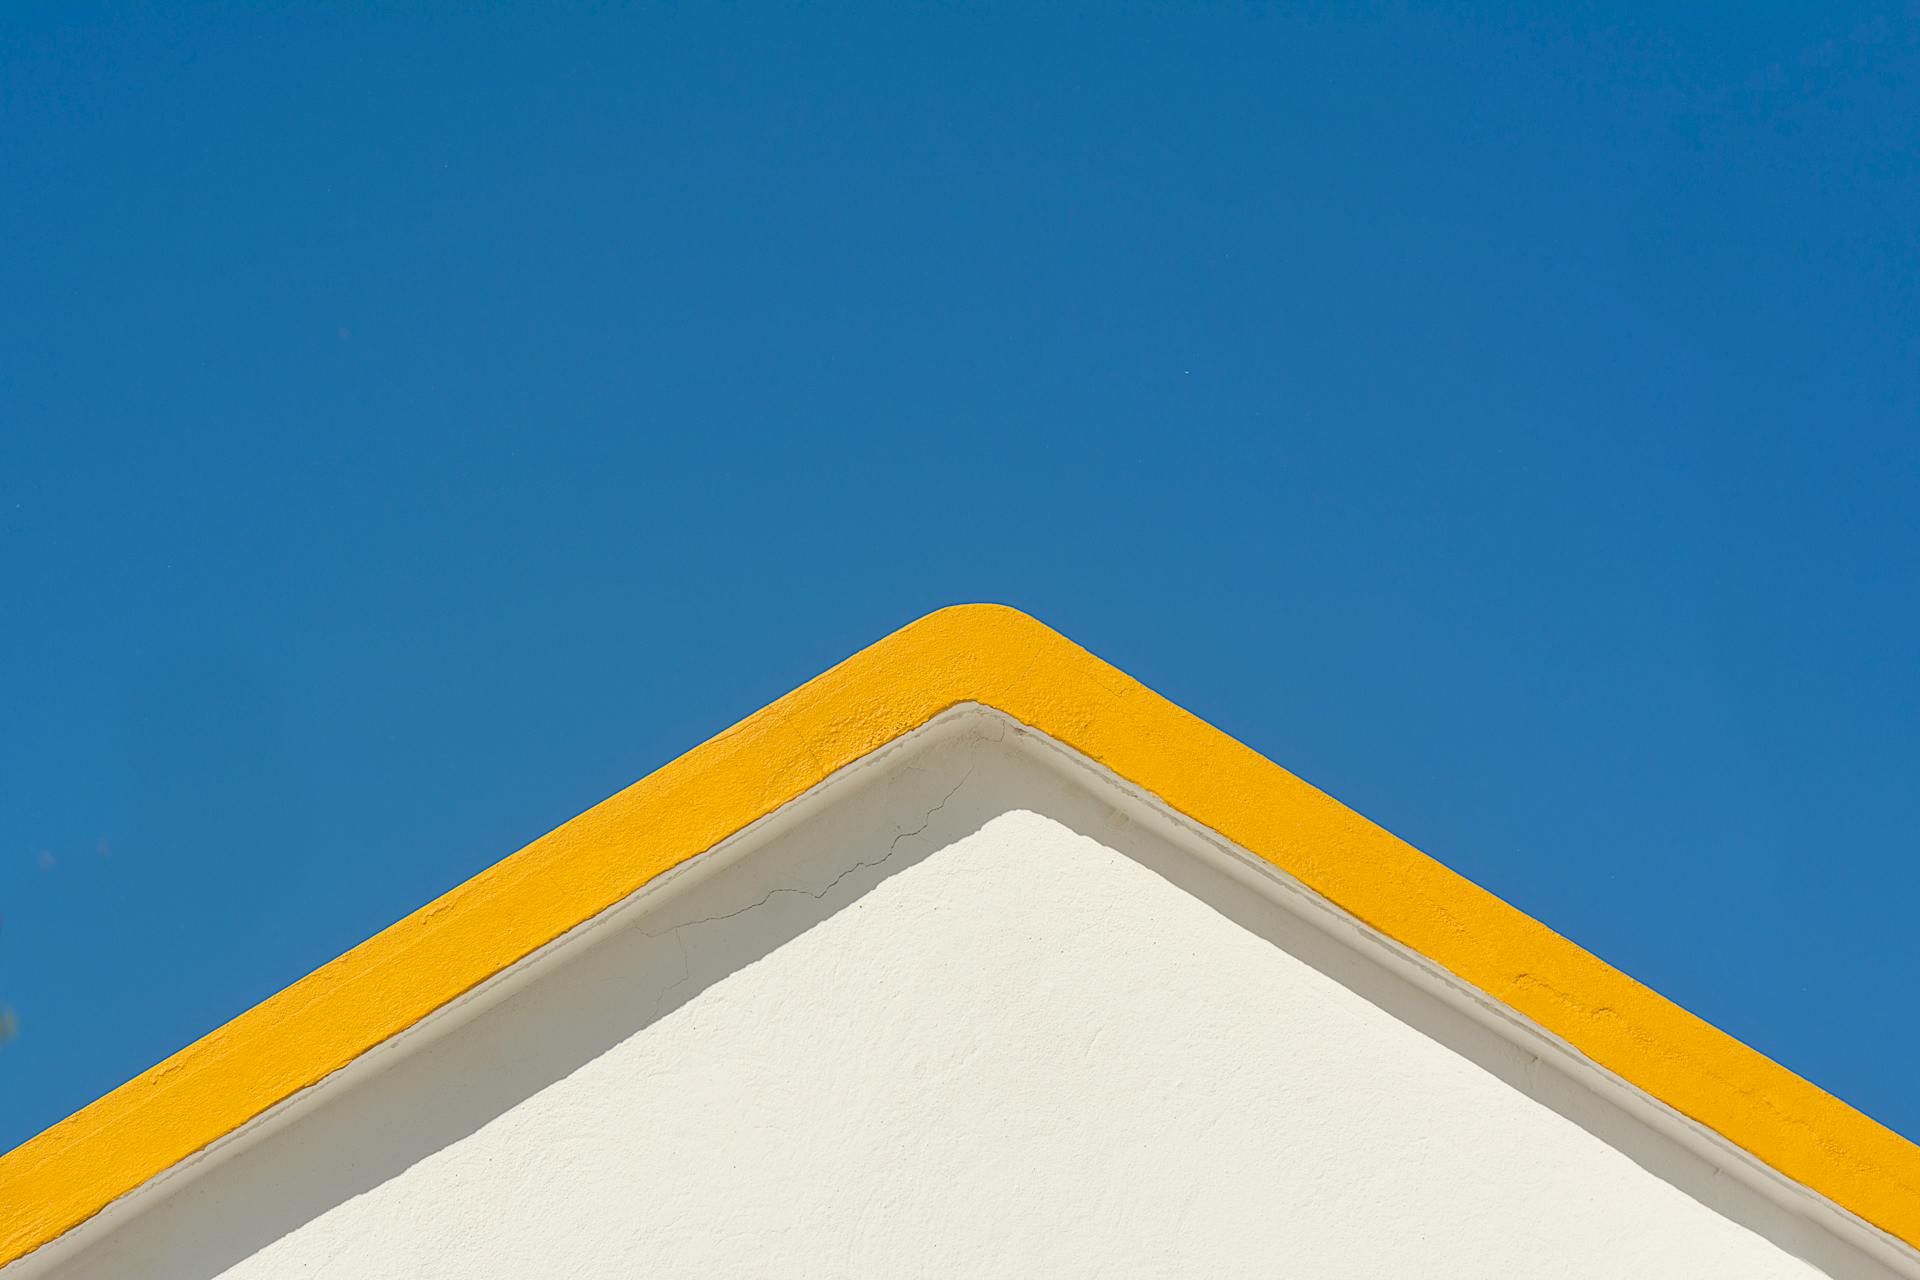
(1006, 660)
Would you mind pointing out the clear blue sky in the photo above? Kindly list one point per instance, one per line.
(414, 427)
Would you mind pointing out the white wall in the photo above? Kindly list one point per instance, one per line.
(962, 1017)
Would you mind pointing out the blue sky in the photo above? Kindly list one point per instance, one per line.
(414, 426)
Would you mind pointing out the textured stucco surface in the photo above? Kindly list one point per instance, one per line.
(976, 1041)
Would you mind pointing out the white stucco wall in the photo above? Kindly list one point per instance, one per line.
(928, 1031)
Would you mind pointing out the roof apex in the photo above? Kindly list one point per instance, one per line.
(1006, 660)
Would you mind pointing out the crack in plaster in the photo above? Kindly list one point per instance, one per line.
(893, 847)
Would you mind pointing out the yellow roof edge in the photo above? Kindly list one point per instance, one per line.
(1004, 659)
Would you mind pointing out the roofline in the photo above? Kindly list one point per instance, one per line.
(1005, 660)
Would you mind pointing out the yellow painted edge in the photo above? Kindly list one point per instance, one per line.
(1006, 660)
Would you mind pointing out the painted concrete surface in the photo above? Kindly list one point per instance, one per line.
(966, 1019)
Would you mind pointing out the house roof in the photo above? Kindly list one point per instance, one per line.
(1005, 660)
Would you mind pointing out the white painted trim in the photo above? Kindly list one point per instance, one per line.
(1836, 1240)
